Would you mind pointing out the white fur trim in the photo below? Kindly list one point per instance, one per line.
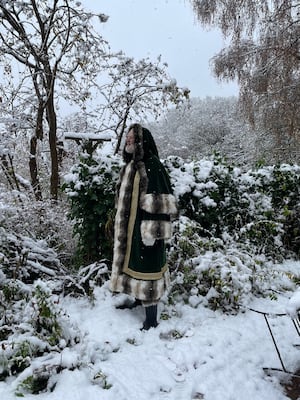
(158, 203)
(140, 289)
(148, 242)
(155, 230)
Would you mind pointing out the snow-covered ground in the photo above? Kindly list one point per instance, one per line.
(196, 353)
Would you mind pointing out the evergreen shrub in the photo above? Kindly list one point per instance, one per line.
(90, 187)
(219, 273)
(254, 207)
(32, 326)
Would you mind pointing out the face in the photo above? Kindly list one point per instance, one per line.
(130, 139)
(130, 142)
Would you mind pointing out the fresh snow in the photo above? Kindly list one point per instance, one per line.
(196, 353)
(88, 136)
(293, 305)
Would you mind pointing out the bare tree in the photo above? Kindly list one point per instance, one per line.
(53, 41)
(61, 55)
(263, 56)
(135, 90)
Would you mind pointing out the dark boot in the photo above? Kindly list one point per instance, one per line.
(129, 305)
(151, 318)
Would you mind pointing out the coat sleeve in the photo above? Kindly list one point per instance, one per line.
(158, 204)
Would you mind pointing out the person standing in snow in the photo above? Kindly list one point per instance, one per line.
(145, 204)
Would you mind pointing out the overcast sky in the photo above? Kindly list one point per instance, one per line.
(148, 28)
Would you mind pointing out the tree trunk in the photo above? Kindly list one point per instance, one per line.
(33, 166)
(6, 170)
(34, 169)
(52, 123)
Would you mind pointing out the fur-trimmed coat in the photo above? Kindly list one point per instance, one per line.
(145, 204)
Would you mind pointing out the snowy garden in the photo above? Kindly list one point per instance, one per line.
(235, 249)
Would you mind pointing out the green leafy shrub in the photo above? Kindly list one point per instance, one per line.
(222, 275)
(90, 187)
(256, 207)
(281, 183)
(209, 194)
(36, 326)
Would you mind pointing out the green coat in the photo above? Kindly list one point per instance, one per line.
(145, 204)
(149, 262)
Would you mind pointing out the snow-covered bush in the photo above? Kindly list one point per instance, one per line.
(253, 207)
(218, 273)
(45, 220)
(36, 336)
(281, 185)
(27, 259)
(32, 325)
(90, 187)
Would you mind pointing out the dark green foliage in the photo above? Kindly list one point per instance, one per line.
(213, 196)
(46, 321)
(91, 190)
(291, 236)
(32, 384)
(219, 273)
(32, 325)
(258, 207)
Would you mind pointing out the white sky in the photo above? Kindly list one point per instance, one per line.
(148, 28)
